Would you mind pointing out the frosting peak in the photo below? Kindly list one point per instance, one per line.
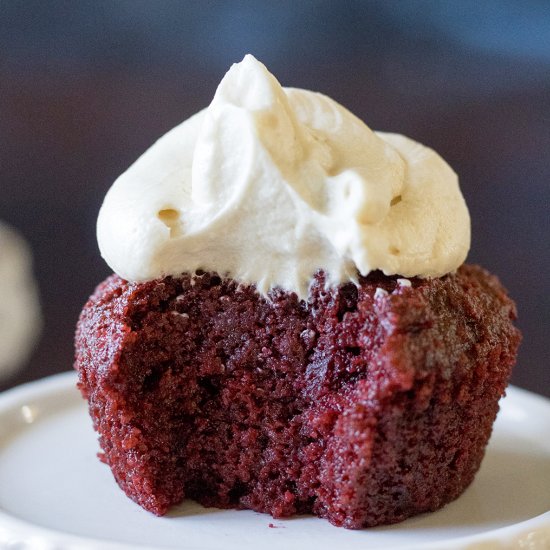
(270, 184)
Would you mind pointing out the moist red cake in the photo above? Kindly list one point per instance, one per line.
(364, 405)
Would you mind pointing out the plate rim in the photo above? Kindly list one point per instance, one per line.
(533, 533)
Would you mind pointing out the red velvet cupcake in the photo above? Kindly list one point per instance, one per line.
(292, 328)
(364, 405)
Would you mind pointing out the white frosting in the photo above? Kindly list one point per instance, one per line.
(19, 308)
(270, 184)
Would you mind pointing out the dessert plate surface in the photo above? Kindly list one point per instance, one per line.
(56, 495)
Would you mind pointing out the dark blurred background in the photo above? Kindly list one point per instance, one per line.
(87, 86)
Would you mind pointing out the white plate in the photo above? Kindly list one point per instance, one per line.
(56, 495)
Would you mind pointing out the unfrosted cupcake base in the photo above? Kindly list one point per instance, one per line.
(365, 405)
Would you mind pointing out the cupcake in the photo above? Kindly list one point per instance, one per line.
(291, 327)
(19, 307)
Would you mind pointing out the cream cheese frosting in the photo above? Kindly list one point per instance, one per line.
(269, 184)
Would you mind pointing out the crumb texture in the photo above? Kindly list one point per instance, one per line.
(364, 406)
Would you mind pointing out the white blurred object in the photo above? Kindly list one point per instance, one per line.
(20, 319)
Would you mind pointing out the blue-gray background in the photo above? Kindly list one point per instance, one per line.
(86, 86)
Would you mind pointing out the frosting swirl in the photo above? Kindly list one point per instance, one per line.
(270, 184)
